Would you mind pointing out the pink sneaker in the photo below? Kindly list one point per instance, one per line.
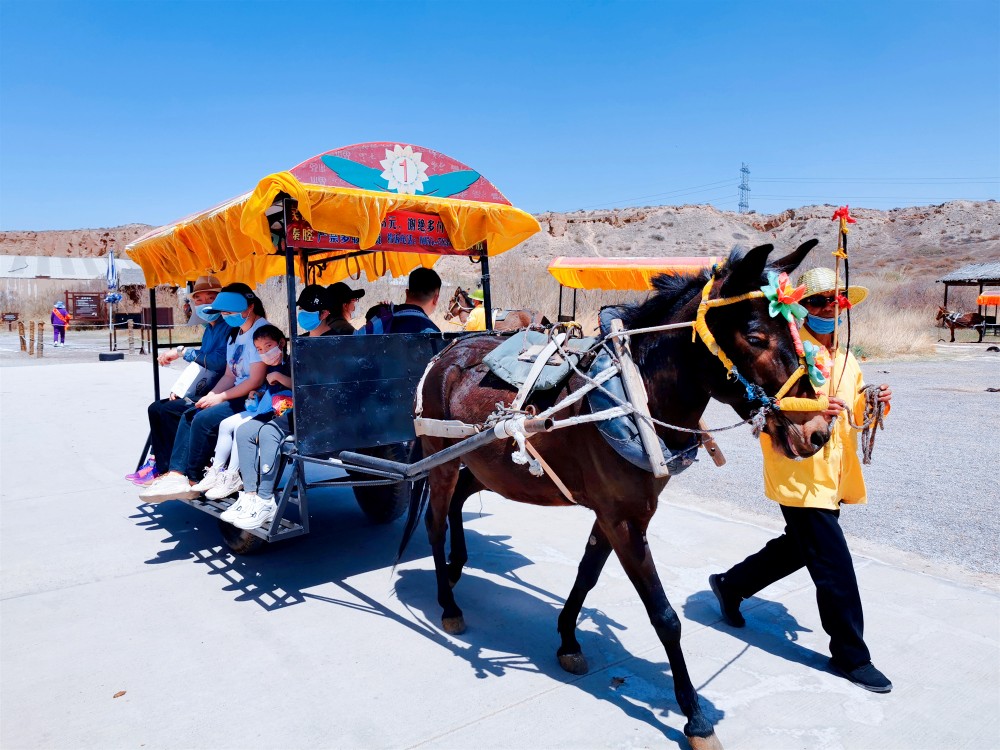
(144, 470)
(147, 479)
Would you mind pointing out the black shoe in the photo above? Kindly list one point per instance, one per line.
(729, 603)
(866, 676)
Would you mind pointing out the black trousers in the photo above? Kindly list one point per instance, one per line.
(813, 538)
(164, 417)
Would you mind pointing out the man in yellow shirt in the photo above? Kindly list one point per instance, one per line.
(477, 318)
(809, 492)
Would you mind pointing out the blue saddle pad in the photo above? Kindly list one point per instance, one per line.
(621, 433)
(504, 361)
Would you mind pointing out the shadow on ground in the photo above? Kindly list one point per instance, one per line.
(512, 623)
(770, 627)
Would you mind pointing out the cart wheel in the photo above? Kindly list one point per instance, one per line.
(386, 502)
(239, 541)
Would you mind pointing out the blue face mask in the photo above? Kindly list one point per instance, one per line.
(820, 325)
(207, 317)
(308, 321)
(234, 319)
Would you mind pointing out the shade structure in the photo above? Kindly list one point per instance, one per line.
(357, 198)
(635, 274)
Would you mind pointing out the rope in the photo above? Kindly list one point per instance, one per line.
(872, 422)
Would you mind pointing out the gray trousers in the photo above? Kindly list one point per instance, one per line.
(259, 445)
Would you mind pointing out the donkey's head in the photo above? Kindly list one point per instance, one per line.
(460, 303)
(763, 352)
(941, 313)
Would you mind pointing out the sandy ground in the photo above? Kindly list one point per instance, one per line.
(319, 643)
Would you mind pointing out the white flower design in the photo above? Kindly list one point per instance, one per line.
(404, 169)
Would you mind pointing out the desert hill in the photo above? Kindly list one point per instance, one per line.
(916, 241)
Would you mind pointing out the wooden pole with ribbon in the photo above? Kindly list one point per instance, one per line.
(843, 215)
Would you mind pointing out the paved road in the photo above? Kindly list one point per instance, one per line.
(318, 643)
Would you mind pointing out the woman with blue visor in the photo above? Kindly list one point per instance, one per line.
(243, 311)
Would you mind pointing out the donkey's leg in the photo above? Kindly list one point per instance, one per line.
(459, 555)
(629, 541)
(442, 482)
(598, 550)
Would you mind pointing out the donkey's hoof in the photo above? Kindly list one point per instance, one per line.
(705, 743)
(453, 625)
(574, 663)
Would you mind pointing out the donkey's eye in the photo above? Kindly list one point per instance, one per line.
(757, 339)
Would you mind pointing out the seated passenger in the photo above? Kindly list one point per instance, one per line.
(259, 445)
(242, 310)
(165, 415)
(413, 316)
(316, 311)
(222, 478)
(343, 300)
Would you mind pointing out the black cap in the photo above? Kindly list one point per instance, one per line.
(341, 294)
(314, 298)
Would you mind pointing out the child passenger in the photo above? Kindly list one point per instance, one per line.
(222, 478)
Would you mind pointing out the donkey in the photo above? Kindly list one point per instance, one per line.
(680, 376)
(461, 304)
(955, 320)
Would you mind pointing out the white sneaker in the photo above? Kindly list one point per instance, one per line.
(169, 487)
(261, 515)
(228, 483)
(210, 480)
(245, 503)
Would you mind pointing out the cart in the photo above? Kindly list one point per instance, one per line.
(367, 209)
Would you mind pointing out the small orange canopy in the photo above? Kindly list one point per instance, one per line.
(634, 274)
(993, 298)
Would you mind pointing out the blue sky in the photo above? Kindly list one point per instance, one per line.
(118, 112)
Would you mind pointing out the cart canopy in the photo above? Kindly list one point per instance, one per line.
(988, 299)
(634, 274)
(406, 204)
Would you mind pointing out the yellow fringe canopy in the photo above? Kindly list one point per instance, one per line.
(233, 240)
(635, 274)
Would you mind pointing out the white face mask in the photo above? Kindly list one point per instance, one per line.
(271, 357)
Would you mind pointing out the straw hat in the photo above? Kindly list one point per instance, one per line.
(206, 284)
(824, 280)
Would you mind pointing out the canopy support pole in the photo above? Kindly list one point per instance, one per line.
(484, 261)
(154, 343)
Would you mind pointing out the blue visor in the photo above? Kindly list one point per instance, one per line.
(228, 302)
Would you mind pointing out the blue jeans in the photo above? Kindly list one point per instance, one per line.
(197, 432)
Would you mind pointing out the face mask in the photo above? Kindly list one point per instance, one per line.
(308, 321)
(820, 325)
(199, 310)
(234, 319)
(271, 357)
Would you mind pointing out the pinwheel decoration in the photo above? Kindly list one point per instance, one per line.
(818, 363)
(844, 214)
(784, 298)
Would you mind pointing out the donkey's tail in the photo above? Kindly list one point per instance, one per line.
(419, 495)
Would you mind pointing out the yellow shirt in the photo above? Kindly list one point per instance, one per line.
(832, 474)
(477, 319)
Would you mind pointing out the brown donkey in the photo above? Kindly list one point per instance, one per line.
(680, 376)
(461, 304)
(955, 320)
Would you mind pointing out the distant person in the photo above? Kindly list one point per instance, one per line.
(810, 492)
(60, 320)
(423, 291)
(165, 415)
(477, 317)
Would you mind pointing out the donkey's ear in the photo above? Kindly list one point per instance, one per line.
(746, 273)
(791, 261)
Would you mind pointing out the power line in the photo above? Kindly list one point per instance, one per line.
(679, 191)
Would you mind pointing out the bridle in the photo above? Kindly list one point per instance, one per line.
(456, 301)
(754, 392)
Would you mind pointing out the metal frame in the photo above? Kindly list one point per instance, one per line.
(295, 490)
(566, 318)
